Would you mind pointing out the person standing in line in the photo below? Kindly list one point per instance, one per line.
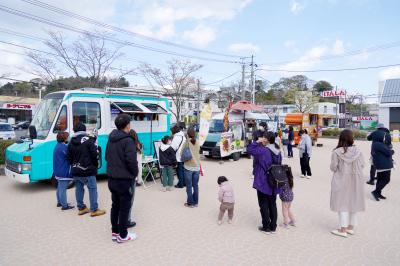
(374, 136)
(262, 128)
(347, 186)
(382, 157)
(290, 142)
(265, 154)
(167, 163)
(138, 179)
(227, 199)
(62, 170)
(305, 151)
(83, 155)
(285, 142)
(192, 169)
(177, 144)
(122, 170)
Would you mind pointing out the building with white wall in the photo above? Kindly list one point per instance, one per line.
(389, 104)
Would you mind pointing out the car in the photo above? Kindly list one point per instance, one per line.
(22, 125)
(6, 131)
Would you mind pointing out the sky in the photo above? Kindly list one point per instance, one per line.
(295, 35)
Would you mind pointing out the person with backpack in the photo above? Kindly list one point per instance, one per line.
(305, 151)
(191, 156)
(347, 186)
(167, 162)
(387, 140)
(122, 170)
(62, 170)
(265, 153)
(83, 155)
(178, 139)
(290, 142)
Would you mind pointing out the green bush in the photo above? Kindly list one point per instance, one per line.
(359, 134)
(331, 132)
(3, 146)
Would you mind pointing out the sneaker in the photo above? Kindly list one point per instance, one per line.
(188, 205)
(302, 176)
(350, 232)
(163, 189)
(219, 222)
(372, 183)
(68, 207)
(265, 231)
(308, 177)
(338, 233)
(196, 205)
(98, 212)
(114, 236)
(83, 211)
(286, 226)
(129, 237)
(59, 205)
(381, 197)
(273, 232)
(292, 223)
(169, 188)
(229, 221)
(376, 196)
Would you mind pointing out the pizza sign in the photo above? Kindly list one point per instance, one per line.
(338, 93)
(363, 118)
(17, 106)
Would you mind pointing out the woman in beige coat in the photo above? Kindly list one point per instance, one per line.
(347, 188)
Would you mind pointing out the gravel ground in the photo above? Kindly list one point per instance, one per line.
(34, 232)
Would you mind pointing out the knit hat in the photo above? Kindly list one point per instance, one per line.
(79, 127)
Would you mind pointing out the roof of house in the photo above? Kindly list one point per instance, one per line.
(391, 91)
(21, 100)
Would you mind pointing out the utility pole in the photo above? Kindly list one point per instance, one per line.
(252, 80)
(198, 101)
(242, 84)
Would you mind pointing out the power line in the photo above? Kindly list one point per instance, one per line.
(217, 81)
(118, 29)
(92, 34)
(330, 70)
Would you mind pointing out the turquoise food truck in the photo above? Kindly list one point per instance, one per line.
(31, 159)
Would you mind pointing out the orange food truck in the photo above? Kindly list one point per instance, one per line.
(308, 121)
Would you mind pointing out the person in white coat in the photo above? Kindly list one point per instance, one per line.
(178, 140)
(347, 187)
(305, 151)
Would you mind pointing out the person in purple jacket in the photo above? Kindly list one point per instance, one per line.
(265, 154)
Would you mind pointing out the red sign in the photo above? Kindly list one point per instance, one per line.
(339, 93)
(363, 118)
(17, 106)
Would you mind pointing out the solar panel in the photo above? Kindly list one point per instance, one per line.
(391, 91)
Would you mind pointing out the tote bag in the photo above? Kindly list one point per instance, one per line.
(186, 153)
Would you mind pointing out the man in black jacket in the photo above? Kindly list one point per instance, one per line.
(122, 169)
(83, 155)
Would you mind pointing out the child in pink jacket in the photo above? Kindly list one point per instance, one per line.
(227, 199)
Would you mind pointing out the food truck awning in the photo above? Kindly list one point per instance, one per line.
(139, 108)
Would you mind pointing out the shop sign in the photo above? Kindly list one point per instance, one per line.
(363, 118)
(17, 106)
(338, 93)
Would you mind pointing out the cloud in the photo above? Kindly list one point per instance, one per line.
(338, 48)
(243, 47)
(200, 36)
(296, 7)
(390, 73)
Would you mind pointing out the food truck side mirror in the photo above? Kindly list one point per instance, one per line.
(32, 132)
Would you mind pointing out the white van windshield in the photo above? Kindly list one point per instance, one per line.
(46, 113)
(216, 126)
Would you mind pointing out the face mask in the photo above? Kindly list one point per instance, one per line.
(261, 128)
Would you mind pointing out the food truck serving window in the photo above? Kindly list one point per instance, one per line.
(128, 107)
(155, 108)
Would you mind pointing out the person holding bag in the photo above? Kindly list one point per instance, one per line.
(190, 155)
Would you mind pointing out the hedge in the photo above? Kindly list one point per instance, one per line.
(335, 132)
(3, 146)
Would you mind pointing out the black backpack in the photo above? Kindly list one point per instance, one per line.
(278, 175)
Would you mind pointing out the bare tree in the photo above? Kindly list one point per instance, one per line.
(176, 82)
(88, 56)
(304, 100)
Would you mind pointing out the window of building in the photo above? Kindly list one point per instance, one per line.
(87, 113)
(335, 109)
(62, 121)
(190, 105)
(285, 110)
(325, 109)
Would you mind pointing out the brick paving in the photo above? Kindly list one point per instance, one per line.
(34, 232)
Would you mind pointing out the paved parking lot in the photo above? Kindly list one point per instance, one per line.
(34, 232)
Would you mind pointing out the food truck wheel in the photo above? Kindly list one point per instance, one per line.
(236, 156)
